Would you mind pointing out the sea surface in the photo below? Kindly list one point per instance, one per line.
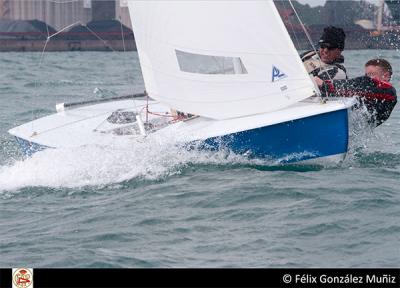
(156, 206)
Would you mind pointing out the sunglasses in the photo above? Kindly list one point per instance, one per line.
(327, 46)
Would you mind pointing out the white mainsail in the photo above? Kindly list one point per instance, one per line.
(218, 59)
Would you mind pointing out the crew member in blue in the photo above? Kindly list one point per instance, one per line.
(328, 62)
(373, 90)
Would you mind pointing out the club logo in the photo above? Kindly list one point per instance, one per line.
(22, 278)
(277, 74)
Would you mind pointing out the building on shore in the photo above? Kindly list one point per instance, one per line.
(84, 25)
(61, 14)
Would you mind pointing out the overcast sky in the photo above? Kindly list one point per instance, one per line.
(313, 3)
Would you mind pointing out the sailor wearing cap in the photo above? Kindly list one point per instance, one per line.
(327, 63)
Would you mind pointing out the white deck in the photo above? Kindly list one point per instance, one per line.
(88, 125)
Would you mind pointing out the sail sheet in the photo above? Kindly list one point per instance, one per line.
(218, 59)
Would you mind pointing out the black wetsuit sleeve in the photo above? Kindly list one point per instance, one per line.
(382, 110)
(378, 97)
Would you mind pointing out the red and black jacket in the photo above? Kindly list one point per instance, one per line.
(378, 96)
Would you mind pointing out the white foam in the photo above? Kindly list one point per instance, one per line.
(361, 134)
(97, 166)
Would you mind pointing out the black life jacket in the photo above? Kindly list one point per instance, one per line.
(378, 96)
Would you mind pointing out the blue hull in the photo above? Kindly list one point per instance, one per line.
(307, 138)
(302, 139)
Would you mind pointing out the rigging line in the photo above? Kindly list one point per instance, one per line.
(304, 28)
(122, 33)
(71, 123)
(36, 81)
(98, 37)
(69, 26)
(292, 27)
(41, 60)
(318, 91)
(161, 115)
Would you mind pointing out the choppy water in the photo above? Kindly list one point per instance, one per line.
(155, 206)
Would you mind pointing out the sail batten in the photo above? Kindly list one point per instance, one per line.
(218, 59)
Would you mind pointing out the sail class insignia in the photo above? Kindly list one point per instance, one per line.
(277, 74)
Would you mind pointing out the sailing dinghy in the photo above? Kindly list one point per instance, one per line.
(232, 73)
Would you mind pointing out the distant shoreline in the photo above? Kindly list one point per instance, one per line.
(18, 45)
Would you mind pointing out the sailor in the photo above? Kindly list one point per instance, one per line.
(327, 63)
(374, 90)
